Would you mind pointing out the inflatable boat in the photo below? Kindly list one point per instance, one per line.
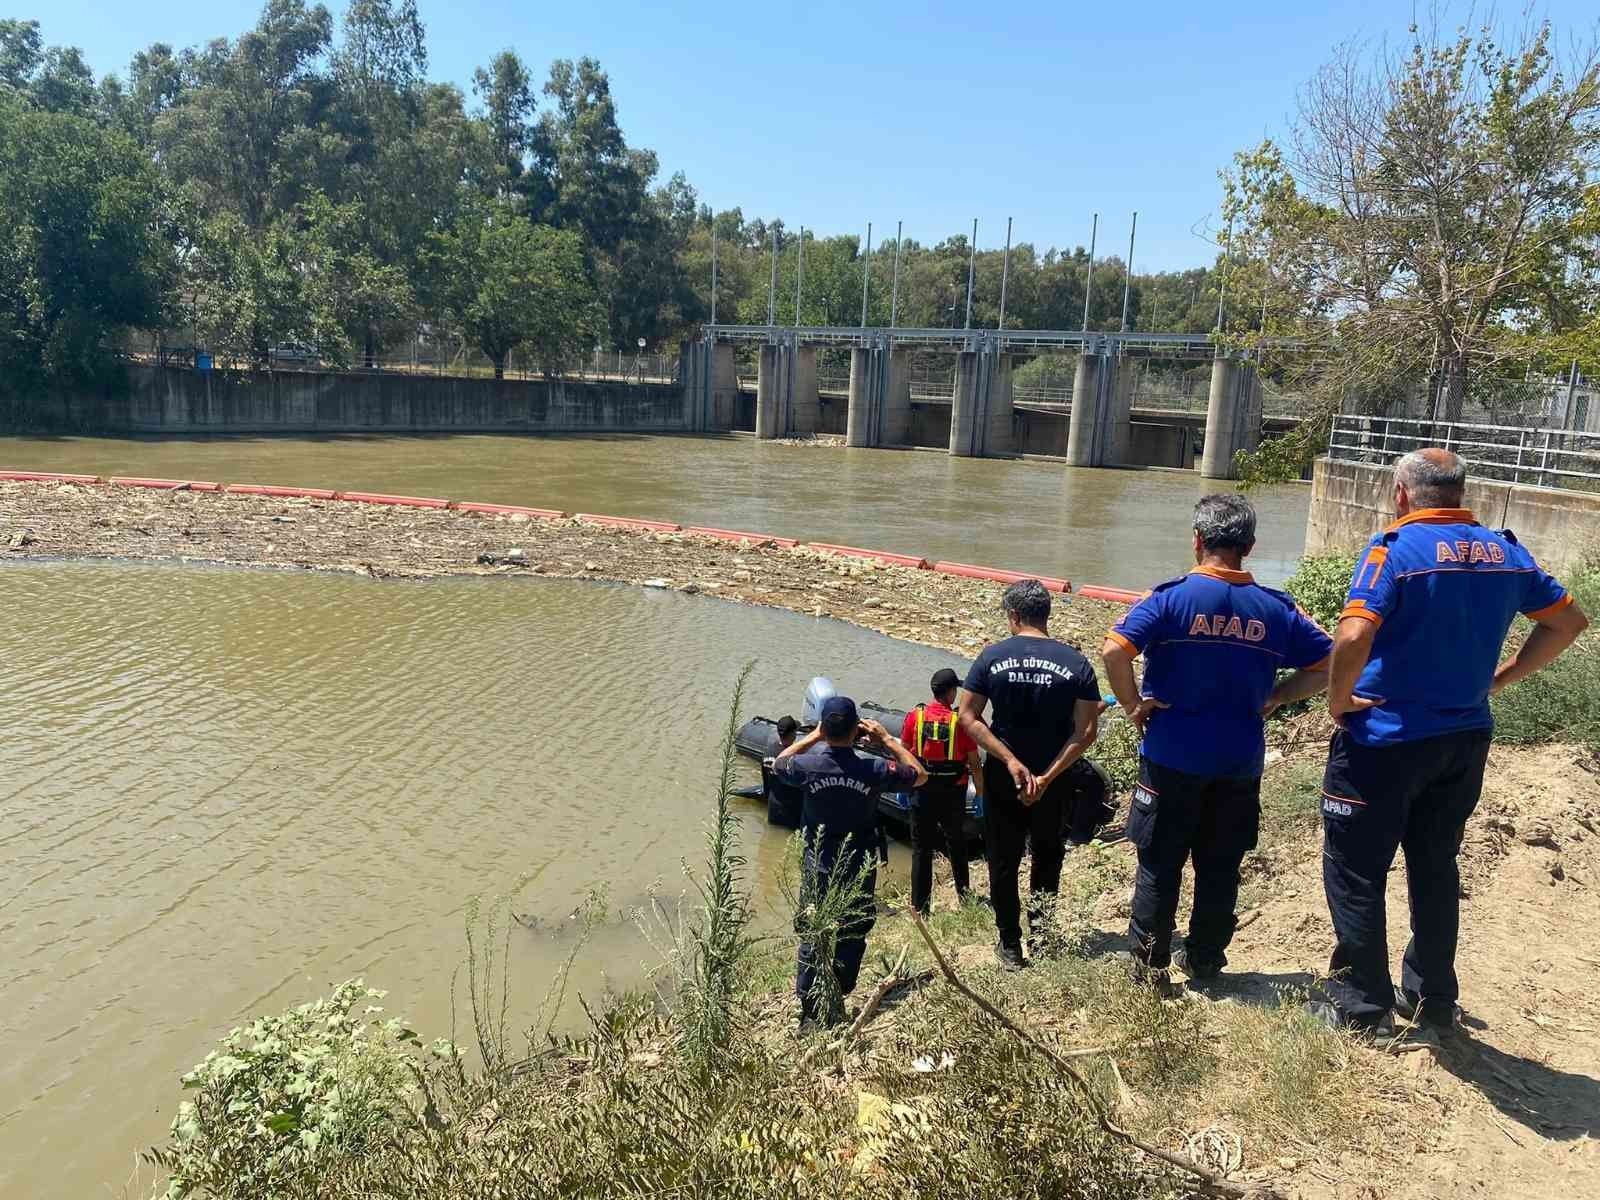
(757, 738)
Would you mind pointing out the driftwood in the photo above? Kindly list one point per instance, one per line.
(1209, 1181)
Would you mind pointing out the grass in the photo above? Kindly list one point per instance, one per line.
(702, 1088)
(1562, 702)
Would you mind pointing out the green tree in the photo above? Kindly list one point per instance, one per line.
(80, 251)
(1429, 204)
(508, 284)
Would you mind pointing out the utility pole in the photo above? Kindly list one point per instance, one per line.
(772, 289)
(1222, 290)
(1127, 279)
(894, 296)
(713, 268)
(1088, 281)
(799, 274)
(972, 262)
(866, 275)
(1005, 275)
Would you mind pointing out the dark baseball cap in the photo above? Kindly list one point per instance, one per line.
(838, 716)
(943, 680)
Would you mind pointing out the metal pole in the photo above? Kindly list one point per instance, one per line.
(1222, 290)
(1567, 419)
(866, 275)
(713, 269)
(1005, 275)
(799, 275)
(1127, 279)
(972, 262)
(894, 298)
(772, 289)
(1088, 281)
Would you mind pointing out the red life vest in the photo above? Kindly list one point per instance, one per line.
(936, 744)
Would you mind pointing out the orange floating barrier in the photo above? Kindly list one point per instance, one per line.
(400, 501)
(886, 556)
(201, 486)
(966, 570)
(1114, 595)
(631, 523)
(735, 535)
(47, 477)
(164, 485)
(509, 510)
(269, 489)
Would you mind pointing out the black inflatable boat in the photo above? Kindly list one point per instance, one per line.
(757, 738)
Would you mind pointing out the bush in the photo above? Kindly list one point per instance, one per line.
(283, 1096)
(1320, 584)
(1562, 702)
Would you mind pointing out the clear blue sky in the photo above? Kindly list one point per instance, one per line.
(832, 115)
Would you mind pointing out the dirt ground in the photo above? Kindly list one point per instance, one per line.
(384, 542)
(1508, 1107)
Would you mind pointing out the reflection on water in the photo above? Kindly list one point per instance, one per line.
(1122, 528)
(223, 791)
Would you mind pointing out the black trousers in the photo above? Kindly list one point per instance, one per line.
(849, 948)
(1009, 826)
(1414, 796)
(937, 818)
(1177, 817)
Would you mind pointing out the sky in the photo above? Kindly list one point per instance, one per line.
(831, 115)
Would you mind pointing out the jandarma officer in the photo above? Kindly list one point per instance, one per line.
(1213, 641)
(1415, 658)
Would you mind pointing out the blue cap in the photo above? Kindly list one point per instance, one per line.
(838, 716)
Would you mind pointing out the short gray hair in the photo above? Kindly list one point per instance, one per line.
(1028, 601)
(1225, 521)
(1434, 477)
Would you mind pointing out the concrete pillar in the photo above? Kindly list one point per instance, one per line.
(894, 408)
(771, 392)
(1083, 432)
(1233, 416)
(1119, 393)
(998, 436)
(861, 420)
(805, 405)
(724, 388)
(965, 421)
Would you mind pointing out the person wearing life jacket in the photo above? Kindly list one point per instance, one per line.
(933, 733)
(1416, 656)
(839, 823)
(1214, 642)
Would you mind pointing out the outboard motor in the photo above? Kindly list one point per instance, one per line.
(819, 689)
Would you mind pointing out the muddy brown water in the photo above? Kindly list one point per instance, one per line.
(1120, 528)
(224, 790)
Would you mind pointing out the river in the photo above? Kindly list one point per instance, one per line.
(1120, 528)
(225, 790)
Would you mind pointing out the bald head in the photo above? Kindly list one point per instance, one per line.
(1431, 478)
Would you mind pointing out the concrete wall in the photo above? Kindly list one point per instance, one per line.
(1352, 501)
(175, 400)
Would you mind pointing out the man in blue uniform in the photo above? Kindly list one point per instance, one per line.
(839, 787)
(1415, 659)
(1214, 641)
(1046, 705)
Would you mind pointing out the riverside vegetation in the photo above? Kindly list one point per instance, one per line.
(697, 1086)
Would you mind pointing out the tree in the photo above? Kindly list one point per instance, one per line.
(1427, 207)
(506, 89)
(507, 283)
(80, 250)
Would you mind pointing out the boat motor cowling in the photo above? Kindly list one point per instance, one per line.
(819, 689)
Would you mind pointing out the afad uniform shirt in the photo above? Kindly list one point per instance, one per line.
(1443, 591)
(1213, 642)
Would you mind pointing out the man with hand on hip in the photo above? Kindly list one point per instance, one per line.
(1213, 642)
(1415, 659)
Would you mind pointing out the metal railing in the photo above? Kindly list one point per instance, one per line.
(1557, 458)
(617, 366)
(1175, 345)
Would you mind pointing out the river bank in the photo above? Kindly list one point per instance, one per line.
(55, 520)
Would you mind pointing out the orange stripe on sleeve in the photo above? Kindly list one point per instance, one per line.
(1550, 610)
(1114, 636)
(1358, 608)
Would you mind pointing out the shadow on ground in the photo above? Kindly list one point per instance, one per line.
(1559, 1105)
